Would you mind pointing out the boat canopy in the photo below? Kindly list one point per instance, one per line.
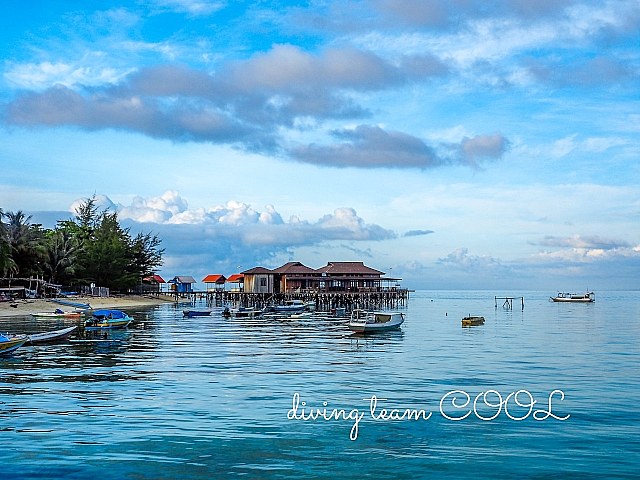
(109, 313)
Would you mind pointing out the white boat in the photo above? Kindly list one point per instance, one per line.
(54, 336)
(366, 321)
(291, 306)
(242, 312)
(588, 297)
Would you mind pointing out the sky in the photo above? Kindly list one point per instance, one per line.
(456, 144)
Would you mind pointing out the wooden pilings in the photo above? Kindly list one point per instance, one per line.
(325, 301)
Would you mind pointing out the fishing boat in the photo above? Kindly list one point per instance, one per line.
(242, 312)
(57, 314)
(588, 297)
(470, 321)
(365, 321)
(73, 304)
(10, 343)
(290, 306)
(53, 336)
(107, 319)
(196, 313)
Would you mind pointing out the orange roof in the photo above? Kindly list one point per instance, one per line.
(214, 279)
(235, 278)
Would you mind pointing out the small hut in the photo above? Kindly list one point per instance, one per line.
(182, 283)
(214, 282)
(235, 282)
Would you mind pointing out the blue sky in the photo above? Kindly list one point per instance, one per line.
(454, 144)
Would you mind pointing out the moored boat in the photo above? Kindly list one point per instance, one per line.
(242, 312)
(57, 314)
(588, 297)
(470, 321)
(53, 336)
(291, 306)
(196, 313)
(107, 319)
(365, 321)
(10, 343)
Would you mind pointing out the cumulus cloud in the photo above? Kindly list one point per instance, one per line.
(239, 222)
(102, 202)
(461, 258)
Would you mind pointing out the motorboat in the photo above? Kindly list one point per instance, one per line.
(588, 297)
(291, 306)
(241, 312)
(10, 343)
(107, 319)
(365, 321)
(196, 313)
(53, 336)
(470, 321)
(57, 313)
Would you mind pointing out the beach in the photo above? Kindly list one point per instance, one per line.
(25, 307)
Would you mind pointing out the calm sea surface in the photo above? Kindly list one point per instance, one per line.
(211, 397)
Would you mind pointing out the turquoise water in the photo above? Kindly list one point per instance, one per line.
(210, 397)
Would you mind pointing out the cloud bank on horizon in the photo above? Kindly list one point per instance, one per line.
(450, 139)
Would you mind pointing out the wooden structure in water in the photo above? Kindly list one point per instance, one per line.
(508, 302)
(324, 301)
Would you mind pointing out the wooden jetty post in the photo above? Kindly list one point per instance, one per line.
(508, 302)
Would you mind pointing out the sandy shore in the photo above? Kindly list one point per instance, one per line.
(25, 307)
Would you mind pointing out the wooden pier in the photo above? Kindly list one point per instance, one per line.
(324, 301)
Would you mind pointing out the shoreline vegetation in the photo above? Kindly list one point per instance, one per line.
(26, 307)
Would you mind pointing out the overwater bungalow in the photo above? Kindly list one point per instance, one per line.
(214, 282)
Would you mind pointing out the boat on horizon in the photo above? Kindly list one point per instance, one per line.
(588, 297)
(365, 321)
(107, 319)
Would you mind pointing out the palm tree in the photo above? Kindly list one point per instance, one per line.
(62, 250)
(26, 241)
(7, 265)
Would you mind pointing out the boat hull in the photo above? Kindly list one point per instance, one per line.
(195, 313)
(572, 300)
(54, 336)
(471, 321)
(10, 343)
(376, 322)
(56, 315)
(107, 320)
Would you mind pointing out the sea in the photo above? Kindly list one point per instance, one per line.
(550, 390)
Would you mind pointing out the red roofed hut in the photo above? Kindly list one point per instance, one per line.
(214, 282)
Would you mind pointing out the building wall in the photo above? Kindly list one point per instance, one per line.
(258, 283)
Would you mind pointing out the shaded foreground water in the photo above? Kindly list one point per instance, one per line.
(209, 397)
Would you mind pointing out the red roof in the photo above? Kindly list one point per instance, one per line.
(214, 279)
(257, 270)
(157, 278)
(235, 278)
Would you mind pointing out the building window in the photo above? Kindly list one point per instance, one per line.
(263, 282)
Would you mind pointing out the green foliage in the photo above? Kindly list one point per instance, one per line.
(92, 248)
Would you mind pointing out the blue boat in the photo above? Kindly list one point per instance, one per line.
(196, 313)
(107, 319)
(10, 343)
(73, 304)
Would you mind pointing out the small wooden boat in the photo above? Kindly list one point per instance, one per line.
(10, 343)
(588, 297)
(107, 319)
(470, 321)
(364, 321)
(196, 313)
(73, 304)
(242, 312)
(57, 314)
(53, 336)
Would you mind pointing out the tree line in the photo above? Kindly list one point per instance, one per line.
(91, 248)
